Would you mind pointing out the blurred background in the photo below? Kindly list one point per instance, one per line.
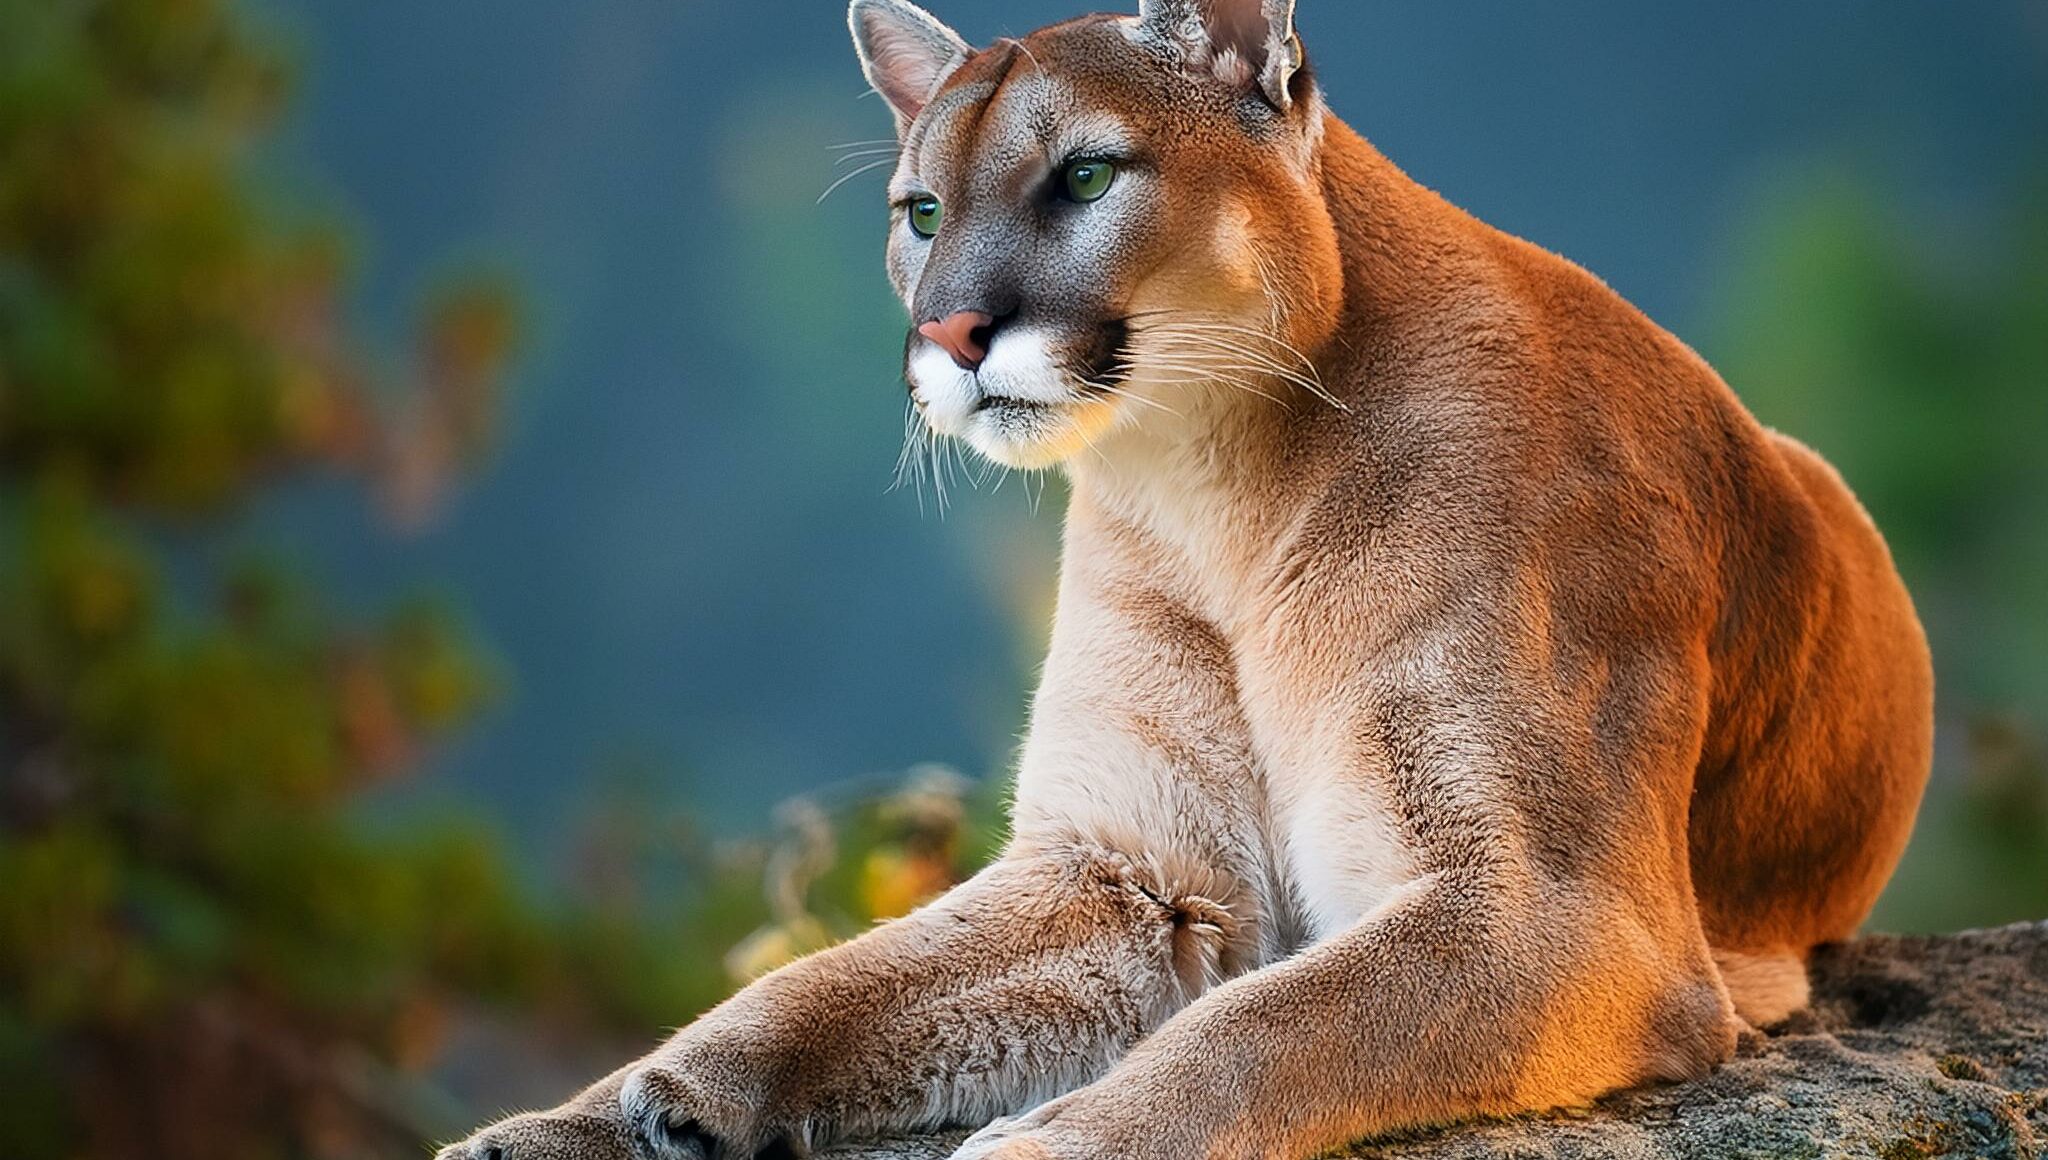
(455, 621)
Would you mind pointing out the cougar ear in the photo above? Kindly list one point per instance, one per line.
(1243, 41)
(905, 52)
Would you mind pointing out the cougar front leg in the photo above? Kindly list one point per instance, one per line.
(1461, 997)
(1030, 979)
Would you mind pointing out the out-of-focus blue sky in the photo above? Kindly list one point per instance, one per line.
(683, 548)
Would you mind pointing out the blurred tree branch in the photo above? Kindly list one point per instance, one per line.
(194, 927)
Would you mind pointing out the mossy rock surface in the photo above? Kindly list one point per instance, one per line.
(1914, 1048)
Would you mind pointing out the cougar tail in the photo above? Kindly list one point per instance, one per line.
(1765, 988)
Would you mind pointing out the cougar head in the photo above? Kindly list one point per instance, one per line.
(1109, 225)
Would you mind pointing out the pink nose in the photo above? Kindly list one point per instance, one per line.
(964, 336)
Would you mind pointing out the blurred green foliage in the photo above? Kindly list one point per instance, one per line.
(1918, 364)
(191, 921)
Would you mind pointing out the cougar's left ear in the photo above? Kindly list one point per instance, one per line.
(1247, 41)
(905, 52)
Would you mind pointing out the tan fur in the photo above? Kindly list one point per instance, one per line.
(1484, 716)
(1764, 988)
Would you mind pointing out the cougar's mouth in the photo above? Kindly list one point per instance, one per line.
(1000, 403)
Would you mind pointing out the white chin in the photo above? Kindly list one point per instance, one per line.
(1026, 437)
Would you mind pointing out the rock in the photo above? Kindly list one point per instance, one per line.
(1913, 1048)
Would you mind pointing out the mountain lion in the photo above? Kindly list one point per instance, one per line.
(1457, 704)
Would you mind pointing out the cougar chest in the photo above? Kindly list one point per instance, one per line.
(1334, 833)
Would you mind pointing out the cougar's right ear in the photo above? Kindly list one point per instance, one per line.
(905, 52)
(1247, 42)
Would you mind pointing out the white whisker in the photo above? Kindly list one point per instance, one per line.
(869, 167)
(1204, 324)
(910, 462)
(1199, 372)
(938, 475)
(1121, 393)
(1026, 50)
(860, 154)
(1190, 337)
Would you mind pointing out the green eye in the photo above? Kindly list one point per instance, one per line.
(926, 216)
(1088, 180)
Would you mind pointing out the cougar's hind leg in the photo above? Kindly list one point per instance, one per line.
(1766, 987)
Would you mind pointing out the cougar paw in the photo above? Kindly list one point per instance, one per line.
(544, 1136)
(673, 1115)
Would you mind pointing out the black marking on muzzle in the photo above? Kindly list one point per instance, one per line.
(1107, 363)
